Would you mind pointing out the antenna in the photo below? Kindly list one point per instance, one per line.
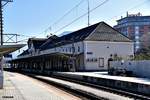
(88, 12)
(2, 4)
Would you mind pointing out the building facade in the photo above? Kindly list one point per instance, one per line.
(134, 26)
(87, 49)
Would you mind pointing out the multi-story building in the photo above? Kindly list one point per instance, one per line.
(86, 49)
(134, 26)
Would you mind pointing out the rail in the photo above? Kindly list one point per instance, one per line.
(107, 89)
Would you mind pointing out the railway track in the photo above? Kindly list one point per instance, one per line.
(123, 93)
(108, 89)
(91, 96)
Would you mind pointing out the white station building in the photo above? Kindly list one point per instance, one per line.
(87, 49)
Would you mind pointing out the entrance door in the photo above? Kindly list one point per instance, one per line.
(101, 62)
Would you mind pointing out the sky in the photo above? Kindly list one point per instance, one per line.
(37, 17)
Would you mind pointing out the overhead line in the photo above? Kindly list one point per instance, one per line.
(90, 11)
(136, 6)
(93, 10)
(24, 40)
(81, 16)
(25, 35)
(67, 13)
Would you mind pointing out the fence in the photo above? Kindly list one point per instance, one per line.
(139, 68)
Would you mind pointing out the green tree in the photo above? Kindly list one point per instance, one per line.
(143, 54)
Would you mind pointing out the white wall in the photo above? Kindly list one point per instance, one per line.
(139, 68)
(103, 49)
(66, 49)
(61, 49)
(99, 49)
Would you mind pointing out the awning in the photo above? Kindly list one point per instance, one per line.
(5, 49)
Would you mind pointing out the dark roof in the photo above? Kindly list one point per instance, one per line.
(97, 32)
(69, 38)
(104, 32)
(37, 42)
(24, 53)
(50, 39)
(8, 55)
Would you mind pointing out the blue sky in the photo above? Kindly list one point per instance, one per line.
(33, 17)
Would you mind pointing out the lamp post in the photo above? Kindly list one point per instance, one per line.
(88, 12)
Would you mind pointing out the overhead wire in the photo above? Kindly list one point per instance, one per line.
(61, 18)
(136, 6)
(25, 35)
(96, 8)
(23, 40)
(82, 16)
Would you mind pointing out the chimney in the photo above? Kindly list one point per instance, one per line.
(127, 14)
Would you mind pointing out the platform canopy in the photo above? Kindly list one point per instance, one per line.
(5, 49)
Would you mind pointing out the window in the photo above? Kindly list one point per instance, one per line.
(78, 49)
(70, 50)
(73, 49)
(101, 62)
(141, 27)
(92, 60)
(95, 59)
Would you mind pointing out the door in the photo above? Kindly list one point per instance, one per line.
(101, 62)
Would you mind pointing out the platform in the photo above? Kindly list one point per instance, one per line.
(20, 87)
(86, 89)
(106, 76)
(131, 84)
(6, 49)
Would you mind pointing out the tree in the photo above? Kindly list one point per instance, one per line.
(143, 54)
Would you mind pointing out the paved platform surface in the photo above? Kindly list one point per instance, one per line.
(106, 76)
(20, 87)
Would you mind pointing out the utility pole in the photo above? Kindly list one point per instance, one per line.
(1, 23)
(2, 4)
(88, 12)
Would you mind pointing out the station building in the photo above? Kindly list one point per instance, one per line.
(87, 49)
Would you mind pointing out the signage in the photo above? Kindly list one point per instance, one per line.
(89, 53)
(91, 60)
